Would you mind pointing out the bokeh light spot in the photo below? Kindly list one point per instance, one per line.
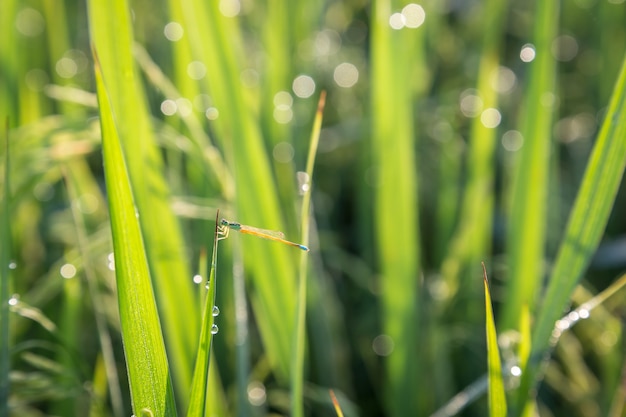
(211, 113)
(230, 8)
(303, 86)
(68, 271)
(283, 152)
(503, 80)
(29, 22)
(414, 15)
(527, 54)
(196, 70)
(256, 393)
(397, 21)
(491, 118)
(564, 48)
(512, 140)
(168, 107)
(471, 104)
(346, 75)
(383, 345)
(173, 31)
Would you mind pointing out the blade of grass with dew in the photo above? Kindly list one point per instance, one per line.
(497, 398)
(146, 360)
(586, 224)
(396, 205)
(5, 259)
(299, 343)
(528, 205)
(217, 39)
(197, 400)
(111, 33)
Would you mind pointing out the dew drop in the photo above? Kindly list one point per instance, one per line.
(214, 329)
(14, 300)
(216, 311)
(197, 279)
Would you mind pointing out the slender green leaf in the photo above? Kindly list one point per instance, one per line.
(146, 361)
(497, 398)
(216, 39)
(5, 259)
(530, 186)
(299, 343)
(198, 400)
(111, 31)
(472, 239)
(394, 61)
(586, 224)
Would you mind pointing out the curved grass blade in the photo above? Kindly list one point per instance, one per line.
(497, 399)
(586, 224)
(111, 30)
(198, 400)
(146, 361)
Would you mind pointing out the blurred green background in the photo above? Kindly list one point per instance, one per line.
(454, 132)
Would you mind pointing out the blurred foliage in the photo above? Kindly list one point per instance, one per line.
(406, 199)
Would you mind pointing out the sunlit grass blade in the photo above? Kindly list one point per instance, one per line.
(111, 31)
(395, 203)
(5, 259)
(528, 205)
(198, 399)
(335, 403)
(586, 224)
(471, 241)
(216, 39)
(299, 342)
(146, 361)
(497, 398)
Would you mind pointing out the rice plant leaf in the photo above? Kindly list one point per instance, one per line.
(216, 39)
(146, 361)
(586, 224)
(199, 384)
(530, 186)
(5, 259)
(395, 60)
(111, 30)
(299, 343)
(497, 398)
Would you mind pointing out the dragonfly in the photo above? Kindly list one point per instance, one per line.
(226, 226)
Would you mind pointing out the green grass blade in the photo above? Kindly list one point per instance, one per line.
(586, 224)
(112, 35)
(5, 258)
(198, 399)
(472, 240)
(530, 186)
(217, 39)
(497, 398)
(146, 361)
(299, 343)
(79, 184)
(396, 199)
